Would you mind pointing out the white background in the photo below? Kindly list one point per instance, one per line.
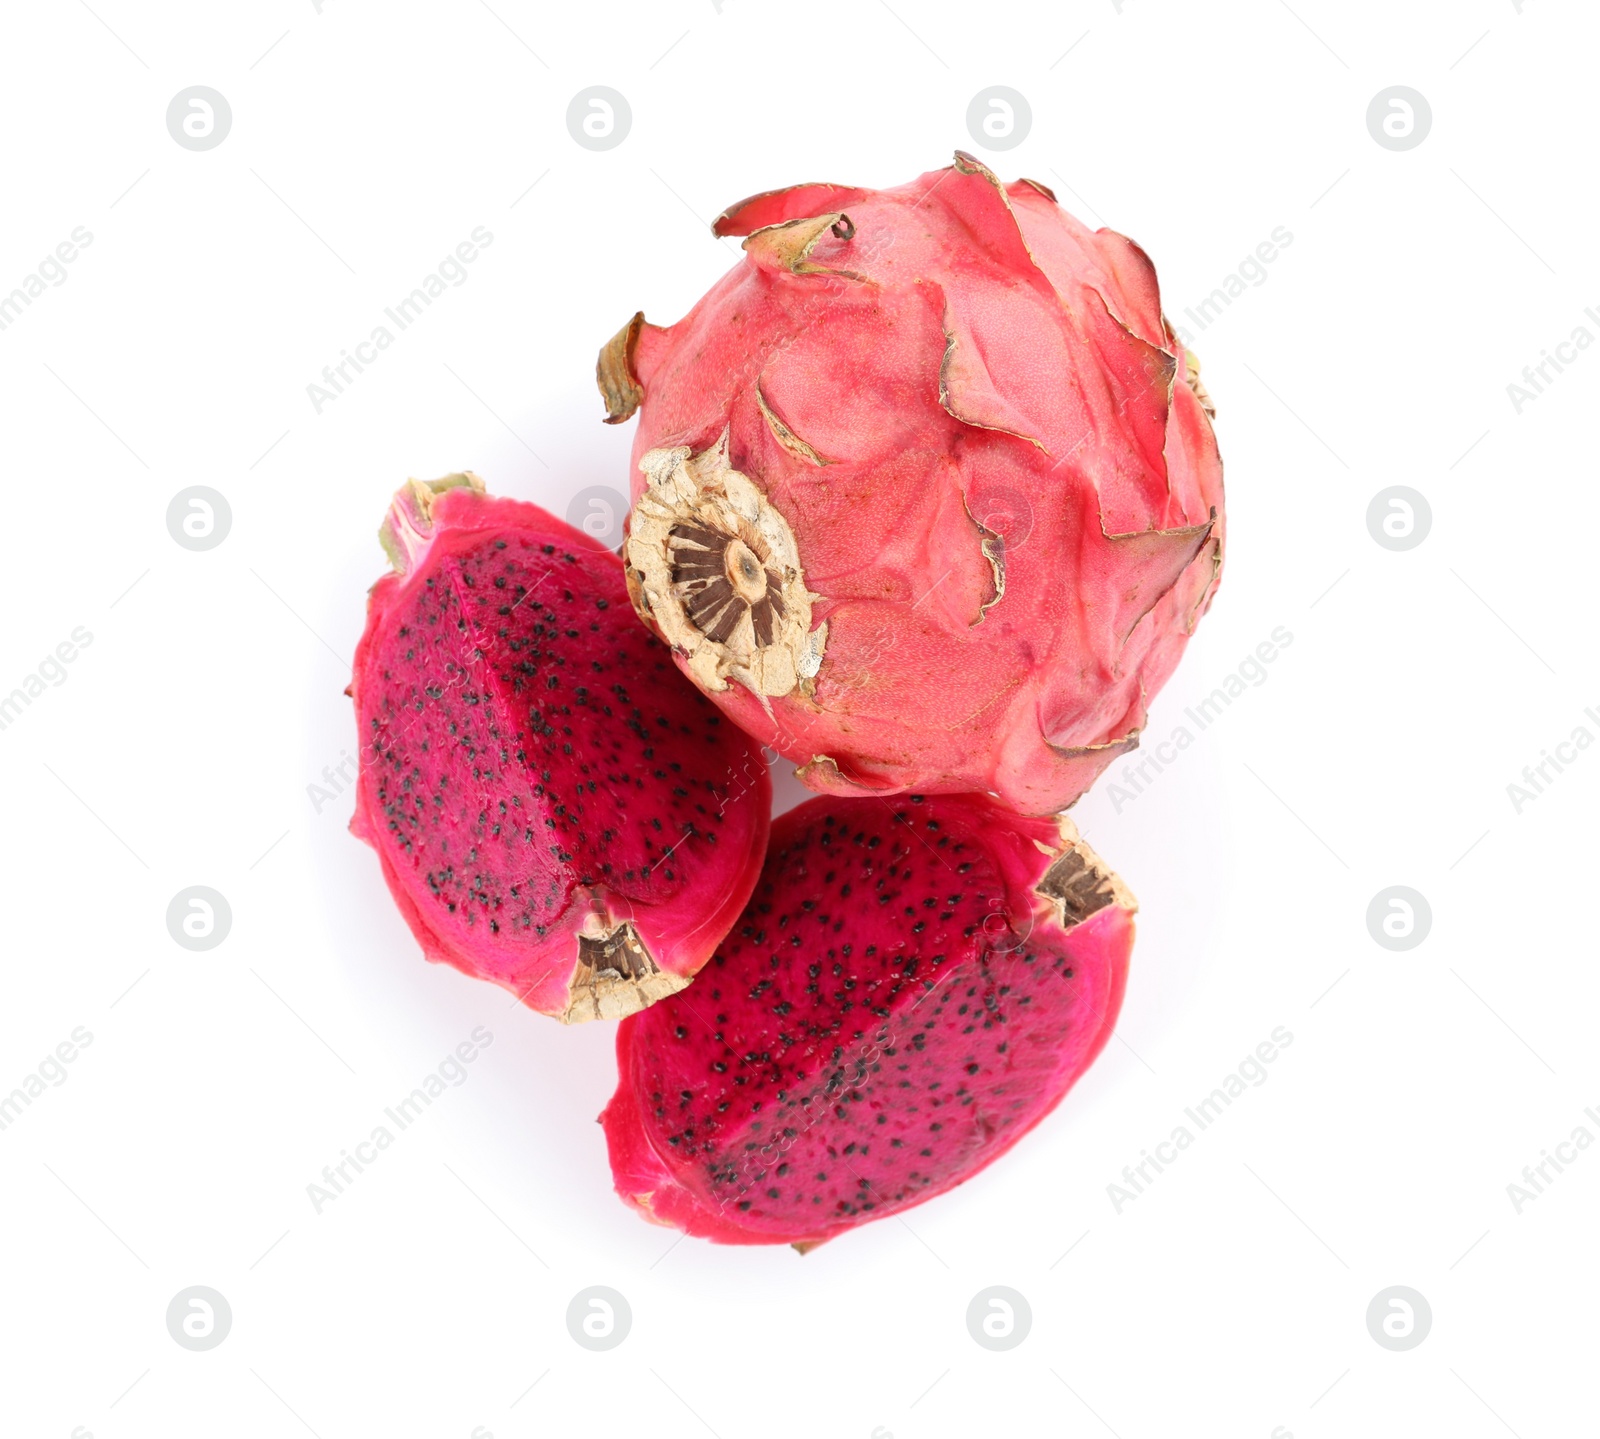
(1229, 1298)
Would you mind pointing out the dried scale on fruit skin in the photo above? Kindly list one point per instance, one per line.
(912, 987)
(555, 808)
(927, 496)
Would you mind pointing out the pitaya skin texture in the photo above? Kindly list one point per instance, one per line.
(995, 461)
(555, 808)
(914, 985)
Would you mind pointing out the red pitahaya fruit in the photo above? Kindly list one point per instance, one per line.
(928, 496)
(555, 808)
(911, 989)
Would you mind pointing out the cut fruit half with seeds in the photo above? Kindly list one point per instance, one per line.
(913, 986)
(555, 807)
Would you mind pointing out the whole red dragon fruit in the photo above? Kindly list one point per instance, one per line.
(913, 986)
(927, 494)
(556, 809)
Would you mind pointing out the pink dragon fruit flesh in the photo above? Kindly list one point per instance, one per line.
(555, 808)
(913, 986)
(927, 495)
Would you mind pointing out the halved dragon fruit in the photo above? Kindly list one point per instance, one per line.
(555, 807)
(913, 986)
(927, 495)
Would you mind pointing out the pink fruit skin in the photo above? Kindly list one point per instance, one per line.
(970, 356)
(807, 1083)
(530, 759)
